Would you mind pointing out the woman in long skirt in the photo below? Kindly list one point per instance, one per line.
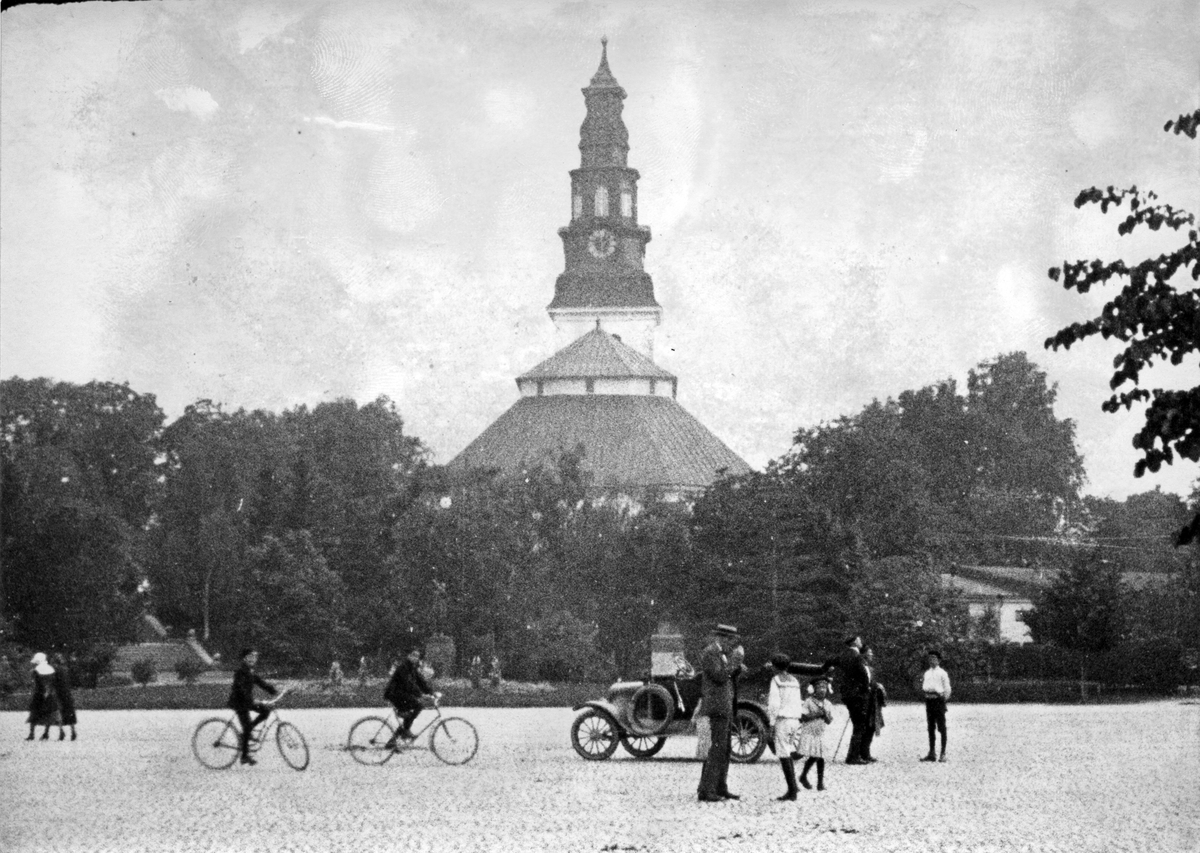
(43, 702)
(66, 702)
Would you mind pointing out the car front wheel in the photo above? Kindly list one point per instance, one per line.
(747, 737)
(594, 735)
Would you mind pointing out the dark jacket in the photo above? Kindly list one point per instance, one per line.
(241, 697)
(66, 702)
(853, 682)
(717, 682)
(407, 684)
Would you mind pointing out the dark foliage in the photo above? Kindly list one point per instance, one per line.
(1156, 314)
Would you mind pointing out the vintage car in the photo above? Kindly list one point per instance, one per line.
(641, 715)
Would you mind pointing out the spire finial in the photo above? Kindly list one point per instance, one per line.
(603, 77)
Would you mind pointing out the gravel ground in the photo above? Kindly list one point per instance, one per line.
(1019, 778)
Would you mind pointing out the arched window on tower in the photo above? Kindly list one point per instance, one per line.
(626, 199)
(577, 206)
(601, 201)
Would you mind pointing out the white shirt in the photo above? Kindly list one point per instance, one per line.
(936, 681)
(785, 698)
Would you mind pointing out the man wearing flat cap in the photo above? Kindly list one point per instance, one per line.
(720, 664)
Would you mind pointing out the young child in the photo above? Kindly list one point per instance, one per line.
(817, 713)
(785, 702)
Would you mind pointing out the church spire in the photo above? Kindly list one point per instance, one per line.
(604, 245)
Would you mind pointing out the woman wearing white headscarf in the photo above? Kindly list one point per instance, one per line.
(43, 703)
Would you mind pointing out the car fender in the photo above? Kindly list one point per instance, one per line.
(605, 706)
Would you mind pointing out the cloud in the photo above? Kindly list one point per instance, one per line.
(188, 99)
(354, 125)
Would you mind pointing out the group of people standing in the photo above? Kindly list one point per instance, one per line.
(51, 703)
(799, 713)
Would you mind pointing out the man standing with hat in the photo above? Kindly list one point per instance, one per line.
(854, 683)
(720, 664)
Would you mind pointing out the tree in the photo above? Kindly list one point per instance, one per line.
(1081, 610)
(292, 605)
(1155, 314)
(80, 482)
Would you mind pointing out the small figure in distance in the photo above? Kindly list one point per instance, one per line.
(475, 672)
(66, 702)
(494, 672)
(362, 671)
(817, 714)
(406, 690)
(8, 677)
(785, 704)
(241, 699)
(43, 702)
(935, 684)
(335, 676)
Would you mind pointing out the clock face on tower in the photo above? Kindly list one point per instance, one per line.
(601, 243)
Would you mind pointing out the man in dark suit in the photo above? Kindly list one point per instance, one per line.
(720, 664)
(854, 685)
(241, 699)
(876, 700)
(406, 690)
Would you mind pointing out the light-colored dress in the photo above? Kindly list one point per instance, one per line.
(785, 703)
(812, 732)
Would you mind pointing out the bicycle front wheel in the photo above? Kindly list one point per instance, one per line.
(292, 746)
(215, 743)
(369, 739)
(454, 740)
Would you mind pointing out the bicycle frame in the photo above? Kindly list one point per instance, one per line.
(394, 720)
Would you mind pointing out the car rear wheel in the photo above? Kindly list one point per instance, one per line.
(747, 737)
(642, 746)
(594, 735)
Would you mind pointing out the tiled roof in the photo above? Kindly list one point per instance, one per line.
(976, 589)
(1025, 580)
(597, 354)
(628, 440)
(603, 290)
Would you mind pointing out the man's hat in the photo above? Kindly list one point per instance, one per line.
(726, 630)
(819, 679)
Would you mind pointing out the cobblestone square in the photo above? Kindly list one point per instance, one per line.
(1019, 778)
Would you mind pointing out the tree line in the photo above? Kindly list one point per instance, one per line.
(325, 532)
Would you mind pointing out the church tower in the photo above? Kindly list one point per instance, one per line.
(601, 391)
(603, 247)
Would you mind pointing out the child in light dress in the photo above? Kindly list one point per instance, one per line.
(815, 715)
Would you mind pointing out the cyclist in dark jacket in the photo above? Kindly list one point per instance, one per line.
(241, 699)
(405, 691)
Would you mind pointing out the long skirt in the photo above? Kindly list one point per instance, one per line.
(43, 705)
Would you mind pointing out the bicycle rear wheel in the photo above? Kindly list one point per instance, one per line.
(215, 743)
(292, 746)
(368, 741)
(454, 740)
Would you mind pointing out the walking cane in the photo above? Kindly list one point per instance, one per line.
(842, 735)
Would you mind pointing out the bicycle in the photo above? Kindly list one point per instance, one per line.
(216, 743)
(373, 740)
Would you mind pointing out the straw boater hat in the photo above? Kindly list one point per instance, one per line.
(726, 630)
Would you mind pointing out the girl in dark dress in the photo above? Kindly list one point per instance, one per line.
(43, 702)
(66, 702)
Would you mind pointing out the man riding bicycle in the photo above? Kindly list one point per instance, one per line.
(241, 699)
(406, 690)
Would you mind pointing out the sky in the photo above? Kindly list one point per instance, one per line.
(269, 204)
